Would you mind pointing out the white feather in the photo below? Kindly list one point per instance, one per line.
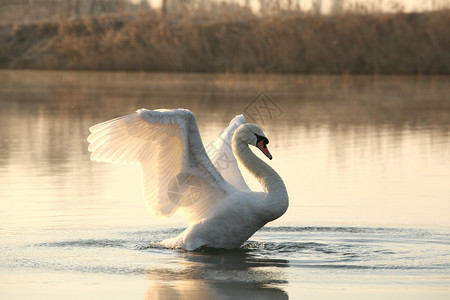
(222, 156)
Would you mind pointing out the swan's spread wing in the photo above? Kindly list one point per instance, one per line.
(178, 174)
(222, 156)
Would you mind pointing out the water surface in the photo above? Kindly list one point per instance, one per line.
(366, 161)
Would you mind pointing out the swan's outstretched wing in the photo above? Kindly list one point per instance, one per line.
(222, 156)
(178, 174)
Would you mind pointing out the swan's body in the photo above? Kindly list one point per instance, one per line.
(180, 176)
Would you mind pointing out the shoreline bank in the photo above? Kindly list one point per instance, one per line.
(401, 43)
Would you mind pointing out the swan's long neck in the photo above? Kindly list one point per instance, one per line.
(276, 201)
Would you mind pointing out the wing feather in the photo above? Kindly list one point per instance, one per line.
(222, 156)
(177, 172)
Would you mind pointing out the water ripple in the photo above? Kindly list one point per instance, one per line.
(90, 243)
(316, 248)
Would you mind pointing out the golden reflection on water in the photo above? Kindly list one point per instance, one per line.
(196, 289)
(363, 150)
(210, 276)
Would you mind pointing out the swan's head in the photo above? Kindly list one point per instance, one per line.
(253, 135)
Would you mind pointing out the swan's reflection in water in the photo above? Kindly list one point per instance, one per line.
(228, 275)
(196, 289)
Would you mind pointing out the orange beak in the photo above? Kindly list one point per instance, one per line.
(263, 148)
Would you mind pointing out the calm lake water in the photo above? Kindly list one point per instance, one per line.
(366, 161)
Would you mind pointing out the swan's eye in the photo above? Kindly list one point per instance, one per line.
(260, 138)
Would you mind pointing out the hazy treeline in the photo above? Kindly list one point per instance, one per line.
(234, 39)
(34, 10)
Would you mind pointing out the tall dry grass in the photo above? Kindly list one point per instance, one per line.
(355, 43)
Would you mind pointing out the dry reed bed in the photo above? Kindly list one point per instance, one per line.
(350, 43)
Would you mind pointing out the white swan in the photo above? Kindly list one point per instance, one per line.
(179, 176)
